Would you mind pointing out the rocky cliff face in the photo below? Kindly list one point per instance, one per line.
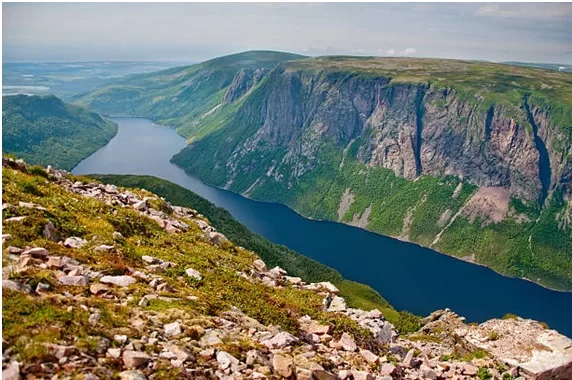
(106, 282)
(411, 129)
(292, 139)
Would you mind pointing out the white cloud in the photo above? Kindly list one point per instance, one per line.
(408, 51)
(525, 11)
(391, 52)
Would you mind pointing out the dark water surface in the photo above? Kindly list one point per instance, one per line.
(408, 276)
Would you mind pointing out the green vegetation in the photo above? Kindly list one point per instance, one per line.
(31, 320)
(181, 97)
(45, 130)
(532, 241)
(356, 294)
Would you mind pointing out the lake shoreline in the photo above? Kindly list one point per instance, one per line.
(374, 232)
(406, 276)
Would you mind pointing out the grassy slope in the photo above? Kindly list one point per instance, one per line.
(179, 96)
(29, 321)
(357, 295)
(45, 130)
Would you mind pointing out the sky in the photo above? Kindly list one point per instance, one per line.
(531, 32)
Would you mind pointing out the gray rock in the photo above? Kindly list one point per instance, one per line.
(14, 285)
(369, 356)
(179, 353)
(388, 369)
(347, 342)
(280, 340)
(117, 235)
(172, 329)
(140, 206)
(193, 273)
(12, 371)
(408, 360)
(150, 259)
(104, 248)
(338, 304)
(122, 281)
(98, 288)
(37, 253)
(216, 237)
(260, 265)
(362, 375)
(74, 242)
(135, 359)
(113, 353)
(121, 339)
(94, 318)
(74, 280)
(226, 360)
(132, 375)
(427, 372)
(282, 365)
(322, 374)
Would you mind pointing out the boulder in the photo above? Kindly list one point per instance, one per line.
(122, 281)
(337, 304)
(12, 371)
(362, 375)
(132, 375)
(369, 356)
(37, 253)
(260, 266)
(14, 285)
(104, 248)
(347, 342)
(282, 365)
(388, 369)
(428, 373)
(322, 374)
(135, 359)
(280, 340)
(226, 360)
(172, 329)
(74, 280)
(150, 259)
(193, 274)
(74, 242)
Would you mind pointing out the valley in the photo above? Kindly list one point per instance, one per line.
(401, 145)
(408, 276)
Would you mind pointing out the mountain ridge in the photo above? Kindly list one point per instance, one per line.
(466, 153)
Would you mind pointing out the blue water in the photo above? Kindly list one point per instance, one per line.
(408, 276)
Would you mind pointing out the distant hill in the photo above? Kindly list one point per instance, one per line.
(181, 96)
(45, 130)
(548, 66)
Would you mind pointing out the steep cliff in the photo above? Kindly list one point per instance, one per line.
(404, 146)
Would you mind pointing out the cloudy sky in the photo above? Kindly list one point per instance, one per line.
(193, 32)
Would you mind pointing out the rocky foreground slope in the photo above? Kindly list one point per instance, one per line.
(104, 282)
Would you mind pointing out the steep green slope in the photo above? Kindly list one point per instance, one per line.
(472, 159)
(45, 130)
(181, 96)
(356, 294)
